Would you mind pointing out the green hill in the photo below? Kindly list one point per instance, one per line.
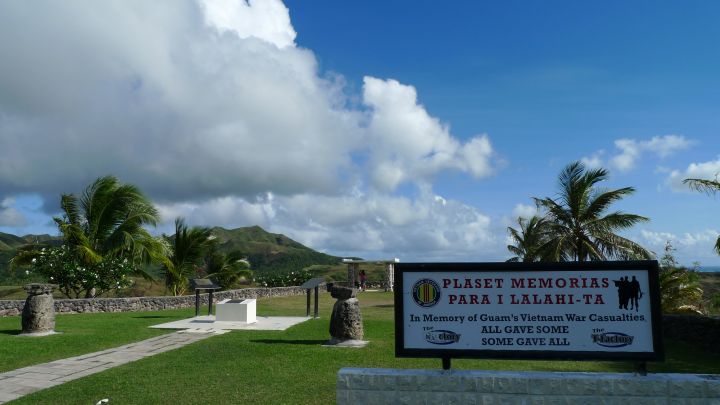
(269, 252)
(9, 241)
(9, 244)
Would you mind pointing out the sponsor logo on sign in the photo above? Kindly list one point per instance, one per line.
(442, 337)
(426, 292)
(612, 339)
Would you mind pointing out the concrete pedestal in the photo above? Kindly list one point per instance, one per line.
(236, 311)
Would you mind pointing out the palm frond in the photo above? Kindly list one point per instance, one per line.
(576, 228)
(703, 185)
(600, 203)
(69, 205)
(618, 220)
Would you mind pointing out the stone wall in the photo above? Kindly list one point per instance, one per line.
(74, 306)
(386, 386)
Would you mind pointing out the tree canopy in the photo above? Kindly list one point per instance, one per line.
(575, 225)
(104, 239)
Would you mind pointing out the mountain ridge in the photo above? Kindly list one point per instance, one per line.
(267, 252)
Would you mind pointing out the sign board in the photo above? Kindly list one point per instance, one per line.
(573, 310)
(312, 283)
(203, 284)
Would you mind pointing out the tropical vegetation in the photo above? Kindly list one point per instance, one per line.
(283, 279)
(227, 270)
(529, 240)
(576, 225)
(680, 290)
(76, 279)
(187, 250)
(104, 240)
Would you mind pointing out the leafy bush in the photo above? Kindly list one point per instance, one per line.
(680, 290)
(59, 266)
(715, 301)
(227, 270)
(293, 278)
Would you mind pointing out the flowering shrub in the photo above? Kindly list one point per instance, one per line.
(59, 266)
(293, 278)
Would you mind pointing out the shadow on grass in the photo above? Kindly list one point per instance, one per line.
(10, 331)
(383, 306)
(290, 342)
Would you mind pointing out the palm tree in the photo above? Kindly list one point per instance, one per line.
(528, 240)
(578, 227)
(228, 269)
(187, 249)
(708, 187)
(108, 222)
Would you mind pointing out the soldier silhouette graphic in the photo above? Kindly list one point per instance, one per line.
(629, 293)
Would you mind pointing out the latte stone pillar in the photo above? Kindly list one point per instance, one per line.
(38, 315)
(346, 327)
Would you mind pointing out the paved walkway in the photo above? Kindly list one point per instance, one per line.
(16, 383)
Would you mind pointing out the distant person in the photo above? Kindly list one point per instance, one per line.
(635, 294)
(363, 280)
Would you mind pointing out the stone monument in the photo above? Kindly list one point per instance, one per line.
(346, 321)
(38, 315)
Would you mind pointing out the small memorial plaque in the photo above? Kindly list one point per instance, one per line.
(203, 284)
(313, 282)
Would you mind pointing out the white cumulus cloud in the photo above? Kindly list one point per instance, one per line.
(213, 110)
(154, 93)
(410, 145)
(199, 100)
(594, 161)
(525, 211)
(427, 227)
(268, 20)
(690, 247)
(704, 170)
(631, 150)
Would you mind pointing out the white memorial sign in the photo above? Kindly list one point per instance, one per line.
(600, 310)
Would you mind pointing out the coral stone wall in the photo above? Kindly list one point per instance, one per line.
(87, 305)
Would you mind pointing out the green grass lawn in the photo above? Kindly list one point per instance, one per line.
(80, 334)
(255, 366)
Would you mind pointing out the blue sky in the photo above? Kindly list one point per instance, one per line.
(410, 129)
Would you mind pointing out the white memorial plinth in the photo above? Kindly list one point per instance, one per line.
(236, 311)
